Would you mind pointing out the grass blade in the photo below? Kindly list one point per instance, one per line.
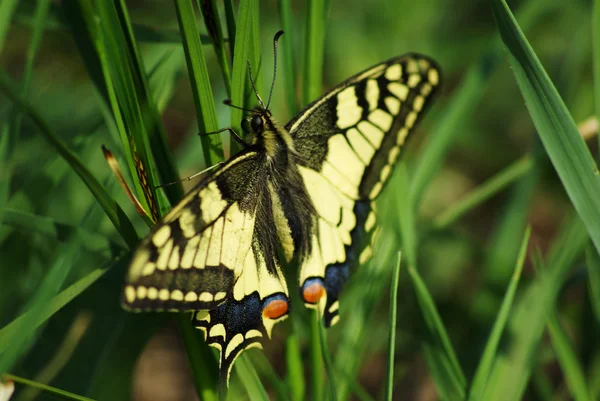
(243, 43)
(250, 379)
(556, 128)
(295, 370)
(287, 55)
(316, 21)
(327, 360)
(111, 208)
(593, 268)
(513, 367)
(571, 367)
(389, 388)
(213, 25)
(483, 192)
(56, 392)
(7, 9)
(201, 88)
(596, 56)
(491, 348)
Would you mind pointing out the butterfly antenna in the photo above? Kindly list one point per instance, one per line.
(275, 40)
(254, 86)
(228, 103)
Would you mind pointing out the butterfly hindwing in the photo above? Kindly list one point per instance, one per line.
(348, 142)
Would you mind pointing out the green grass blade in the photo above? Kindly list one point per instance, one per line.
(593, 269)
(316, 21)
(327, 360)
(213, 25)
(53, 391)
(483, 192)
(250, 379)
(55, 229)
(11, 130)
(56, 304)
(239, 73)
(7, 9)
(18, 341)
(443, 364)
(201, 88)
(513, 367)
(469, 93)
(287, 55)
(203, 364)
(491, 348)
(231, 26)
(569, 363)
(295, 369)
(316, 358)
(111, 208)
(556, 128)
(389, 385)
(439, 353)
(596, 56)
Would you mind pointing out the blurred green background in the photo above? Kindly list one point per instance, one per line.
(479, 123)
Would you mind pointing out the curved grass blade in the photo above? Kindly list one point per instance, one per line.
(514, 365)
(389, 385)
(110, 206)
(56, 392)
(491, 348)
(568, 361)
(327, 360)
(556, 128)
(247, 374)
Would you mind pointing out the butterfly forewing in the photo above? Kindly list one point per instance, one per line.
(348, 142)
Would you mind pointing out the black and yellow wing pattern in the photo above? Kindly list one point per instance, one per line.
(348, 142)
(306, 189)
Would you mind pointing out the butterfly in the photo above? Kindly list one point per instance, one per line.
(303, 192)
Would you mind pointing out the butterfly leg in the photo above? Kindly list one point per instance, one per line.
(234, 134)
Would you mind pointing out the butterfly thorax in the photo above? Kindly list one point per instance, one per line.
(292, 208)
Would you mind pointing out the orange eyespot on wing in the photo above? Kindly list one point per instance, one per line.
(275, 308)
(313, 290)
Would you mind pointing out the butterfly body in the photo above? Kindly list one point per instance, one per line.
(304, 190)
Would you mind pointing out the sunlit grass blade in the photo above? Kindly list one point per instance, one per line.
(267, 371)
(247, 374)
(483, 192)
(213, 25)
(317, 382)
(568, 360)
(513, 366)
(556, 128)
(53, 391)
(287, 55)
(111, 208)
(389, 385)
(201, 89)
(316, 22)
(491, 348)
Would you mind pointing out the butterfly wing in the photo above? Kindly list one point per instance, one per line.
(211, 254)
(347, 143)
